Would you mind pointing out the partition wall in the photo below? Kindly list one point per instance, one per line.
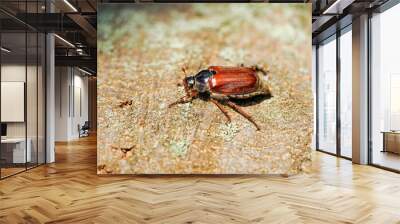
(22, 76)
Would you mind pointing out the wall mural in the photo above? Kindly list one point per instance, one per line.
(204, 88)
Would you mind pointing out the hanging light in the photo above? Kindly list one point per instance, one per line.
(5, 50)
(64, 40)
(70, 5)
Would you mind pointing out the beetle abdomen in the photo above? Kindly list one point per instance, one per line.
(232, 80)
(238, 82)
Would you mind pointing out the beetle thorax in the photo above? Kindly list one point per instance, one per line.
(201, 81)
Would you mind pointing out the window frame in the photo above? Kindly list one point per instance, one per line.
(334, 37)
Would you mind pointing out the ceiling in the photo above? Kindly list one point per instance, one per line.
(75, 23)
(331, 15)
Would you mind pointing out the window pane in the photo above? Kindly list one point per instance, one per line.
(41, 98)
(14, 153)
(327, 96)
(346, 94)
(31, 97)
(386, 89)
(314, 73)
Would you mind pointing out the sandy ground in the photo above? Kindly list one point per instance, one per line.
(142, 49)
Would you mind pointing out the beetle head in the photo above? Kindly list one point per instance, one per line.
(188, 83)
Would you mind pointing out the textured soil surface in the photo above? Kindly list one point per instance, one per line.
(142, 49)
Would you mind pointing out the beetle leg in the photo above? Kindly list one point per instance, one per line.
(222, 109)
(181, 101)
(185, 99)
(244, 114)
(191, 94)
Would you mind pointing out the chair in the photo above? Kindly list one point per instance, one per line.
(84, 130)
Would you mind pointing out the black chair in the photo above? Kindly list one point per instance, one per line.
(84, 130)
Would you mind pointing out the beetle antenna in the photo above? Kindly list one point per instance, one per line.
(184, 71)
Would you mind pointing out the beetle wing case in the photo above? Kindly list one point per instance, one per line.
(233, 80)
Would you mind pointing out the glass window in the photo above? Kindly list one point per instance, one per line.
(346, 93)
(32, 85)
(327, 96)
(385, 87)
(41, 85)
(314, 73)
(31, 99)
(14, 153)
(22, 92)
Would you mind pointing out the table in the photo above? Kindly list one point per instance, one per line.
(17, 150)
(391, 141)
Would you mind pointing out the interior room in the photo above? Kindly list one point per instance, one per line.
(97, 125)
(28, 56)
(22, 105)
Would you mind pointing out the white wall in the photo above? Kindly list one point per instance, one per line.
(13, 72)
(62, 81)
(70, 83)
(79, 117)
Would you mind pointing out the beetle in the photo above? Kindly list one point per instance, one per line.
(222, 84)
